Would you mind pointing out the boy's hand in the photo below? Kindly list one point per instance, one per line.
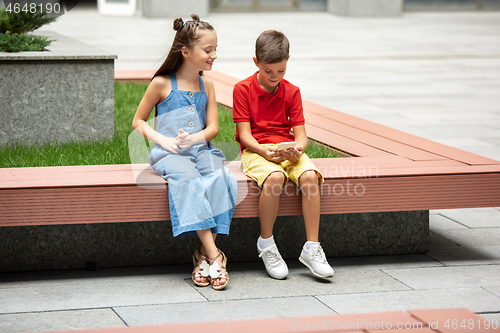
(184, 139)
(271, 154)
(169, 144)
(293, 154)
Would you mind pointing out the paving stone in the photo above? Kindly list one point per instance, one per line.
(382, 262)
(466, 255)
(474, 299)
(447, 277)
(440, 222)
(95, 293)
(475, 217)
(494, 289)
(253, 282)
(223, 310)
(472, 237)
(59, 320)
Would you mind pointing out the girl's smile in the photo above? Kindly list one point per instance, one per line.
(203, 53)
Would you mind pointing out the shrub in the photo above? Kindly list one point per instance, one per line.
(22, 43)
(13, 29)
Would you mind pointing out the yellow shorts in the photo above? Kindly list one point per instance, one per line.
(258, 168)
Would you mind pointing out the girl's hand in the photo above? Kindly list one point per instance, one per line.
(293, 154)
(169, 144)
(184, 139)
(271, 154)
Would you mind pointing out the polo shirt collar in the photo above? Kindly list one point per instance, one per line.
(260, 92)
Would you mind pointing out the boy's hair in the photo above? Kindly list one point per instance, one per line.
(271, 47)
(186, 35)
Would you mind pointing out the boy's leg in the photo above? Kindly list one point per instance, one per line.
(309, 185)
(271, 178)
(268, 210)
(305, 174)
(269, 202)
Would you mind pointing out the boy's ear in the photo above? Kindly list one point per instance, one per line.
(255, 61)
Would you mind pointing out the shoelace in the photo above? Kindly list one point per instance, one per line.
(272, 255)
(319, 255)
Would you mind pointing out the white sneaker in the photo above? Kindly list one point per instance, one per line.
(275, 265)
(315, 260)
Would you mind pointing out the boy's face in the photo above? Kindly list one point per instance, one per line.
(270, 74)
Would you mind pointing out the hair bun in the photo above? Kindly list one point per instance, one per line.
(178, 24)
(195, 17)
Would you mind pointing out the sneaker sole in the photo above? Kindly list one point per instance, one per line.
(277, 277)
(312, 271)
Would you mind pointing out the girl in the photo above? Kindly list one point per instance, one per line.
(202, 192)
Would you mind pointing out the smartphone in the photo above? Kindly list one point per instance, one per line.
(285, 145)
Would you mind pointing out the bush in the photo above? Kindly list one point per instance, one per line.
(22, 43)
(13, 29)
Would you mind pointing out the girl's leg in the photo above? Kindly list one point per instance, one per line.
(269, 202)
(210, 250)
(309, 185)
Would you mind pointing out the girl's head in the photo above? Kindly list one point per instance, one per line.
(193, 41)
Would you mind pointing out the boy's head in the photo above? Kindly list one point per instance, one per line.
(271, 57)
(271, 47)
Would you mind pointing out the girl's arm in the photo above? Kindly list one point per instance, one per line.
(152, 97)
(212, 129)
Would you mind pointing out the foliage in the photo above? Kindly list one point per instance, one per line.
(13, 29)
(22, 43)
(23, 21)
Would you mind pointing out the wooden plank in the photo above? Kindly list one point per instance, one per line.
(370, 139)
(134, 75)
(397, 135)
(350, 146)
(131, 203)
(455, 320)
(143, 175)
(353, 323)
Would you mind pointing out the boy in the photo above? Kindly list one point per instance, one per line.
(266, 108)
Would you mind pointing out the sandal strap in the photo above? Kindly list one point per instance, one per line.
(212, 260)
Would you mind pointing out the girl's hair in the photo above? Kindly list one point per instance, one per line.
(187, 35)
(271, 47)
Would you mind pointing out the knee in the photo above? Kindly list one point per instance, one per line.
(308, 179)
(274, 183)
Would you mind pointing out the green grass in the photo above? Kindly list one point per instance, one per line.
(115, 151)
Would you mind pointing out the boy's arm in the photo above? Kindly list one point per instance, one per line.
(293, 154)
(299, 132)
(247, 139)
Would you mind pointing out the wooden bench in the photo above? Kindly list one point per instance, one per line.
(413, 321)
(390, 171)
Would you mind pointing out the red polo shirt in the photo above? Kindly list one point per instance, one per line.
(271, 117)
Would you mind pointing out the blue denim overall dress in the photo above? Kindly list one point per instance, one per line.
(201, 190)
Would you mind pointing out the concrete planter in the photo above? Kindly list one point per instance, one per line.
(175, 8)
(65, 93)
(366, 8)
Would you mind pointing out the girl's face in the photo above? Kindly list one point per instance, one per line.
(270, 74)
(203, 53)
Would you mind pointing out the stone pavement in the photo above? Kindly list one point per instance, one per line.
(435, 75)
